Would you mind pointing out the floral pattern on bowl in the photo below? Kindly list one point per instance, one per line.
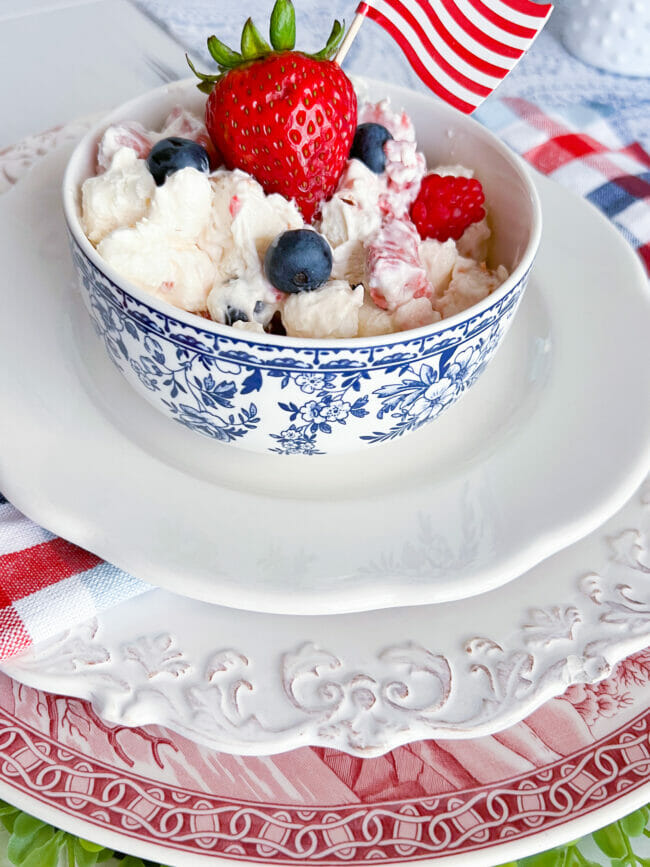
(285, 398)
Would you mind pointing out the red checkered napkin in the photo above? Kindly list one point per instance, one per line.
(580, 148)
(47, 583)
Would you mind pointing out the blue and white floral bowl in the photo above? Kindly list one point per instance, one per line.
(288, 395)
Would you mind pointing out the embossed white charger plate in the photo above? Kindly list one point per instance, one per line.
(254, 684)
(553, 439)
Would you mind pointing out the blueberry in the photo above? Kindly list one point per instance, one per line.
(172, 154)
(233, 314)
(368, 146)
(298, 261)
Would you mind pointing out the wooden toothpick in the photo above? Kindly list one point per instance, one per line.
(350, 35)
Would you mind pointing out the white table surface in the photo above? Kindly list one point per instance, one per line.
(63, 59)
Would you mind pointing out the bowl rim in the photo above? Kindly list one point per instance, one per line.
(69, 200)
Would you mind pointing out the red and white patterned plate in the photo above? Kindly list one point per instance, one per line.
(575, 764)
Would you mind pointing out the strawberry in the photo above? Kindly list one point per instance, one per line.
(285, 117)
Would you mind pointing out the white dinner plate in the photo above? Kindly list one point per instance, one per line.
(553, 439)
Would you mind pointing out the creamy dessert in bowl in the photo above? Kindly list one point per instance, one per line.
(330, 274)
(384, 253)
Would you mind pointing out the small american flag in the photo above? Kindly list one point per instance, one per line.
(461, 49)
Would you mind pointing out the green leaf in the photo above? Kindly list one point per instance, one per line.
(8, 816)
(611, 841)
(205, 79)
(131, 861)
(205, 87)
(8, 821)
(34, 844)
(283, 26)
(85, 857)
(333, 41)
(206, 82)
(253, 44)
(576, 859)
(88, 845)
(223, 55)
(27, 825)
(552, 858)
(634, 824)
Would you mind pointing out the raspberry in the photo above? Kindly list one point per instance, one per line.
(446, 206)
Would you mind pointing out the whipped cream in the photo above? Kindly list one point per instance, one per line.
(132, 134)
(470, 283)
(331, 311)
(438, 259)
(119, 197)
(199, 240)
(353, 213)
(405, 168)
(398, 124)
(159, 253)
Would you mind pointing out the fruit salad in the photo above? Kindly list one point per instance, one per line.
(292, 206)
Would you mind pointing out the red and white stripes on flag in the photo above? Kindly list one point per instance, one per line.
(461, 49)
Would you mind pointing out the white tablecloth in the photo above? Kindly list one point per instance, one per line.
(547, 75)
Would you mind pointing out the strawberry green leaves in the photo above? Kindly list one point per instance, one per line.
(333, 41)
(206, 82)
(283, 26)
(223, 55)
(253, 44)
(282, 32)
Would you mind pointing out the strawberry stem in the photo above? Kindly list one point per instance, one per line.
(283, 26)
